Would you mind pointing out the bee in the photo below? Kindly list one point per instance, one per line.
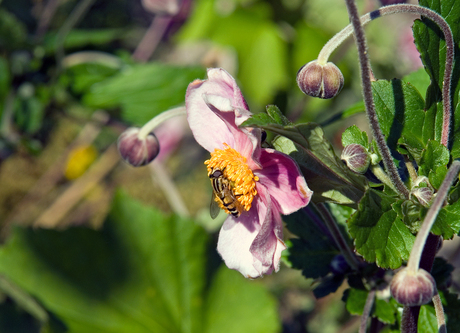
(222, 190)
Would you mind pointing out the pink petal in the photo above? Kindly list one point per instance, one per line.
(281, 177)
(250, 246)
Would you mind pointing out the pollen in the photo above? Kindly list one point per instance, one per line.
(235, 169)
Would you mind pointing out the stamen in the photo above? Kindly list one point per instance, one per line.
(235, 170)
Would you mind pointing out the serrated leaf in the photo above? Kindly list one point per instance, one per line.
(380, 235)
(431, 45)
(326, 174)
(447, 223)
(313, 251)
(142, 272)
(278, 118)
(434, 156)
(143, 90)
(399, 107)
(354, 135)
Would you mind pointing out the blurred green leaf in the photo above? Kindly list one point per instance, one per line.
(380, 235)
(142, 272)
(354, 135)
(262, 52)
(448, 221)
(399, 107)
(13, 32)
(143, 90)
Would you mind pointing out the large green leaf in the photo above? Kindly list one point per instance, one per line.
(143, 90)
(431, 45)
(142, 272)
(380, 235)
(262, 52)
(399, 107)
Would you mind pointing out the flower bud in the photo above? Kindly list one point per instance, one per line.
(323, 81)
(413, 289)
(339, 265)
(168, 7)
(423, 195)
(356, 157)
(136, 150)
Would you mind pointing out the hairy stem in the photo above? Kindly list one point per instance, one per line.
(440, 317)
(152, 38)
(367, 311)
(162, 117)
(430, 218)
(369, 101)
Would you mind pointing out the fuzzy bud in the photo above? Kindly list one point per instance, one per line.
(413, 289)
(356, 157)
(323, 81)
(423, 195)
(135, 150)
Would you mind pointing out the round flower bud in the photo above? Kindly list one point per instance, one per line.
(135, 150)
(356, 157)
(323, 81)
(423, 195)
(413, 289)
(339, 265)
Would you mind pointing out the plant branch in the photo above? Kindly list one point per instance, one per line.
(369, 101)
(367, 311)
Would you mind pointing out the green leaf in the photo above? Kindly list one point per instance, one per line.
(13, 32)
(419, 79)
(326, 174)
(427, 319)
(448, 221)
(355, 300)
(455, 150)
(142, 272)
(350, 111)
(431, 45)
(434, 156)
(354, 135)
(262, 52)
(143, 90)
(399, 107)
(272, 115)
(380, 235)
(313, 251)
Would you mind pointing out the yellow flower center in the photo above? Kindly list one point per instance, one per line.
(236, 174)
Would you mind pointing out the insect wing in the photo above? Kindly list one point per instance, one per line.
(214, 208)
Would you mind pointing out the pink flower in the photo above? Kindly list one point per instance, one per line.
(253, 185)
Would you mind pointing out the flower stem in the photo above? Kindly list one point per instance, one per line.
(382, 176)
(430, 218)
(369, 101)
(162, 117)
(367, 311)
(338, 237)
(152, 38)
(439, 314)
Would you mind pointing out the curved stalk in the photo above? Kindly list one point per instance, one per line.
(162, 117)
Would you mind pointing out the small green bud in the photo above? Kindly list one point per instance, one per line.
(356, 157)
(323, 81)
(136, 150)
(413, 289)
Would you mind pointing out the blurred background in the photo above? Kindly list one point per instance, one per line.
(92, 244)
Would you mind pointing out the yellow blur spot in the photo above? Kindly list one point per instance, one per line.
(79, 160)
